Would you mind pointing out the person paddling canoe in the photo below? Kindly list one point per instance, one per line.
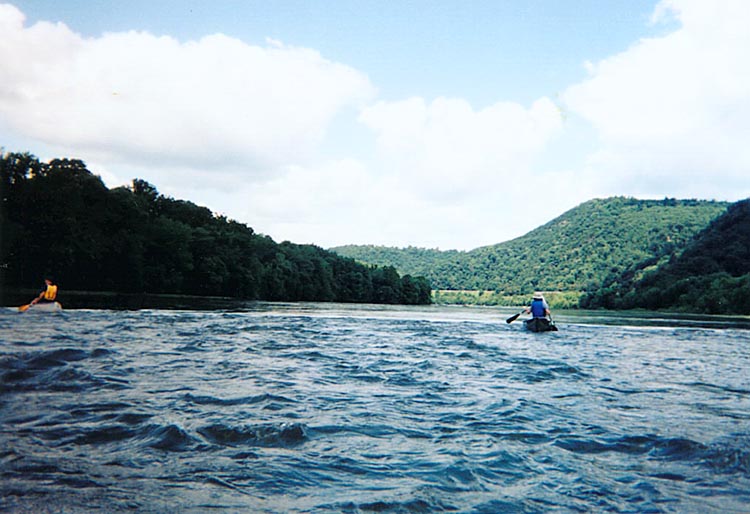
(541, 317)
(47, 296)
(539, 307)
(541, 320)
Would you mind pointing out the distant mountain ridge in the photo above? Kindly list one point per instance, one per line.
(576, 251)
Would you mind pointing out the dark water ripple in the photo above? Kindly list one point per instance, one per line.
(312, 408)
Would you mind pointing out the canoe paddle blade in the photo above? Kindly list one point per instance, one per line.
(513, 318)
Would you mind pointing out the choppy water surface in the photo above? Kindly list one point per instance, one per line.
(320, 408)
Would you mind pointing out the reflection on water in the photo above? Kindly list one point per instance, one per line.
(123, 301)
(653, 319)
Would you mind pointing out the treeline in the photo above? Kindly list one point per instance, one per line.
(59, 218)
(555, 299)
(575, 252)
(711, 275)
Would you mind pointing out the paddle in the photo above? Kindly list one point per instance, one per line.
(552, 325)
(24, 308)
(514, 317)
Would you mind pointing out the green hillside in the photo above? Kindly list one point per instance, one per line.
(711, 275)
(575, 252)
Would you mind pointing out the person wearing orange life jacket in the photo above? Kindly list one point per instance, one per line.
(48, 294)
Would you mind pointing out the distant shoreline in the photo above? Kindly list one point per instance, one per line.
(110, 300)
(123, 301)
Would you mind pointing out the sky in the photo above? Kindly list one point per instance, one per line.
(435, 124)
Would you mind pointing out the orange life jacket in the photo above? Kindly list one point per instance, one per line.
(51, 293)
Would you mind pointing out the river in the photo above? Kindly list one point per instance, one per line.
(351, 408)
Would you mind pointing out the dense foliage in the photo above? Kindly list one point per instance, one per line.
(59, 218)
(711, 275)
(555, 299)
(574, 252)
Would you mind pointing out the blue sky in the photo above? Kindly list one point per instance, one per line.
(434, 124)
(478, 50)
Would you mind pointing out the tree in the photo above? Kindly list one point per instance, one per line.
(59, 217)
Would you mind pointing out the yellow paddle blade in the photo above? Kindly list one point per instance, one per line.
(24, 308)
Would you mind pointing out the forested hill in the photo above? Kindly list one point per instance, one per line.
(711, 275)
(575, 252)
(59, 218)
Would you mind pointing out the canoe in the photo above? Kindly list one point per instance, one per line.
(43, 307)
(539, 325)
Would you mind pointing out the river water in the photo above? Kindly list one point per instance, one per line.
(333, 408)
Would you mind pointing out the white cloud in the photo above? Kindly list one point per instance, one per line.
(133, 97)
(444, 176)
(237, 128)
(673, 112)
(343, 202)
(449, 150)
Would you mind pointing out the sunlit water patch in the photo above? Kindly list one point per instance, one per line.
(320, 408)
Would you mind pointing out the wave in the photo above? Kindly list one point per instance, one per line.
(283, 435)
(713, 388)
(170, 438)
(196, 412)
(61, 370)
(663, 447)
(730, 455)
(245, 400)
(416, 506)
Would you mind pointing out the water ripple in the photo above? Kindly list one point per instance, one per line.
(307, 408)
